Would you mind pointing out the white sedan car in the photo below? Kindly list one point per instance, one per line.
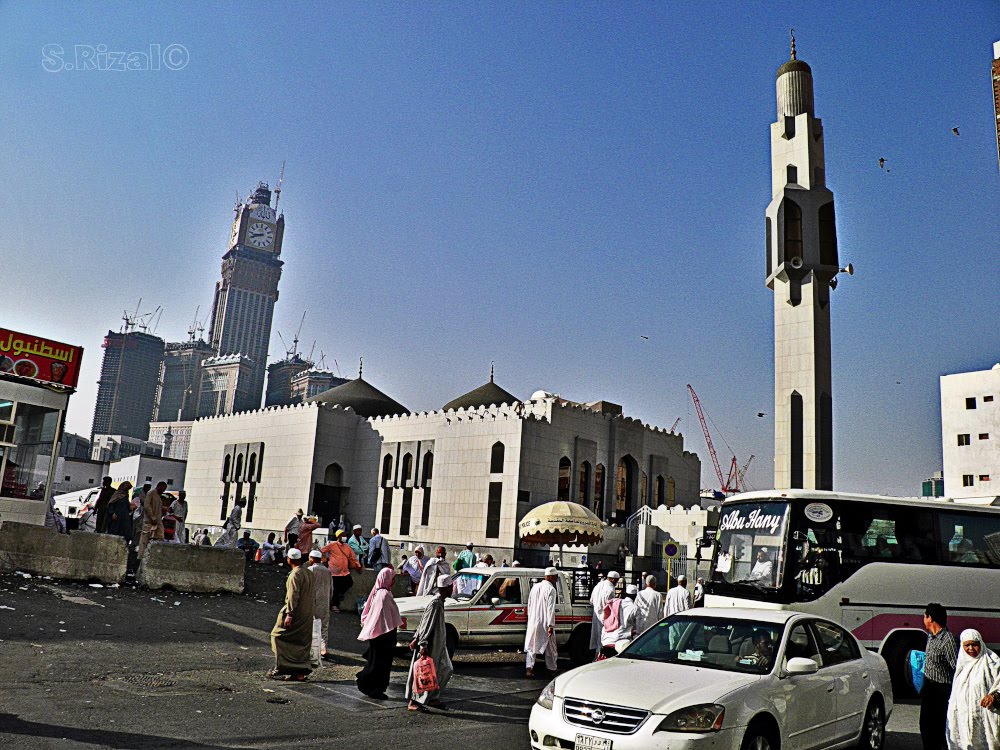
(725, 679)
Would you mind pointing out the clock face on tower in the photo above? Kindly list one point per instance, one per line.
(260, 235)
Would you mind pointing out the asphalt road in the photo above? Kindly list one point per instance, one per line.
(124, 668)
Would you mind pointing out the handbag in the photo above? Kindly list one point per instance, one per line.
(425, 678)
(915, 667)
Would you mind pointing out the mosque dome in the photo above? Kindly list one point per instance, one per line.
(793, 65)
(365, 399)
(485, 395)
(794, 86)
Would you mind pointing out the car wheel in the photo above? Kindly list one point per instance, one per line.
(873, 728)
(758, 739)
(451, 641)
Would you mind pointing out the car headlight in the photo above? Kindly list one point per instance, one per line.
(547, 696)
(704, 718)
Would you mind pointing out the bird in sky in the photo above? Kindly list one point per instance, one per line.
(644, 337)
(761, 414)
(955, 131)
(881, 162)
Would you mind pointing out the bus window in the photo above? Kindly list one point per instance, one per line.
(970, 540)
(883, 532)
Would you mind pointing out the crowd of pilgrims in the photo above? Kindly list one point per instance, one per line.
(960, 699)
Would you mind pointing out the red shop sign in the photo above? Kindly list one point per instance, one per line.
(39, 359)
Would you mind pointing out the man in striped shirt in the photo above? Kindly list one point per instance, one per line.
(939, 670)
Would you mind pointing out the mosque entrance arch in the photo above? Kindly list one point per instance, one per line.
(330, 495)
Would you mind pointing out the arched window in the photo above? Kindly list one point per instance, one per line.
(425, 481)
(407, 468)
(626, 477)
(827, 236)
(496, 458)
(226, 464)
(425, 475)
(239, 468)
(386, 469)
(643, 489)
(583, 494)
(671, 492)
(793, 230)
(599, 491)
(334, 475)
(660, 491)
(565, 472)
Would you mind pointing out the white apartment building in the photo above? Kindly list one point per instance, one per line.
(970, 433)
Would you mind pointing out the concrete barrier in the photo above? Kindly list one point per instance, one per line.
(185, 567)
(364, 580)
(75, 557)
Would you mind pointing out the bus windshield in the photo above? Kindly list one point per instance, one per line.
(751, 540)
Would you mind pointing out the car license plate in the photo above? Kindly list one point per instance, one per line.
(587, 742)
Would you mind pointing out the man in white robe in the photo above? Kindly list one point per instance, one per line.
(599, 598)
(648, 604)
(540, 637)
(678, 598)
(613, 633)
(436, 567)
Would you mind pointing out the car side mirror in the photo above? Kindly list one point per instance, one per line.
(801, 665)
(495, 601)
(621, 646)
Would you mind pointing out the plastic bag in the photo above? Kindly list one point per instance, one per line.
(317, 643)
(915, 666)
(425, 678)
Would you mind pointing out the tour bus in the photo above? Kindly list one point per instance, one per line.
(870, 563)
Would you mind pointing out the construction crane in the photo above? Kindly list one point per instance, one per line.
(277, 190)
(730, 484)
(674, 425)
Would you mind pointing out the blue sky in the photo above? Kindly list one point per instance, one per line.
(539, 184)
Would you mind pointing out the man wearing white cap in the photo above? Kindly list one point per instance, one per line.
(678, 598)
(599, 598)
(540, 637)
(466, 558)
(291, 636)
(431, 639)
(649, 604)
(322, 582)
(358, 543)
(619, 621)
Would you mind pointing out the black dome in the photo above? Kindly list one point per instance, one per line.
(485, 395)
(365, 399)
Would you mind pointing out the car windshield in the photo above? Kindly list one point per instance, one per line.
(713, 643)
(750, 543)
(466, 585)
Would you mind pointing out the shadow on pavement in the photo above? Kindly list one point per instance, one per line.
(11, 724)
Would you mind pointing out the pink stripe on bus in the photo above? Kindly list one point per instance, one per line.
(877, 628)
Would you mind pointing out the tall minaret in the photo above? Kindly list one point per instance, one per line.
(801, 266)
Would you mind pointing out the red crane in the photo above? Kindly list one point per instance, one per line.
(732, 483)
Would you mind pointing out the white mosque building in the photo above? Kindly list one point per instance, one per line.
(466, 472)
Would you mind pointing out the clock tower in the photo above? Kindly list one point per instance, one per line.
(248, 289)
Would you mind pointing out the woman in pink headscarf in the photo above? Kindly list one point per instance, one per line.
(379, 621)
